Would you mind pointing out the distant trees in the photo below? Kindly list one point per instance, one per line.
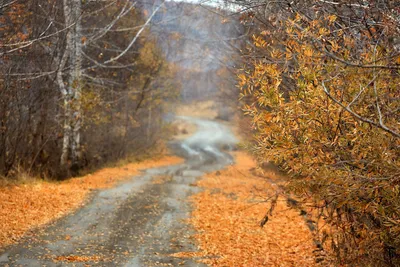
(200, 41)
(321, 83)
(79, 80)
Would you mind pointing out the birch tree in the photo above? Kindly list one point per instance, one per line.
(67, 67)
(73, 56)
(71, 90)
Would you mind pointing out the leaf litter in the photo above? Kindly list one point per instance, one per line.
(227, 216)
(28, 206)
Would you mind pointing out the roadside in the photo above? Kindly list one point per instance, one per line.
(25, 207)
(140, 222)
(231, 205)
(227, 216)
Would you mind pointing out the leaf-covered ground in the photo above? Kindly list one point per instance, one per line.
(227, 217)
(25, 207)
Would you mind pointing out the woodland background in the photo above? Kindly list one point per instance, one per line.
(83, 83)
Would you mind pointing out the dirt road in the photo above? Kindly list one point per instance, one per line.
(138, 223)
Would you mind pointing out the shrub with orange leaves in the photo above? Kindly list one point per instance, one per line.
(322, 88)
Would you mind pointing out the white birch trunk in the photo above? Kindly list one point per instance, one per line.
(75, 81)
(72, 92)
(67, 132)
(149, 123)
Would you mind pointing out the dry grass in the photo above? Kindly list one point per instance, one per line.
(227, 216)
(26, 206)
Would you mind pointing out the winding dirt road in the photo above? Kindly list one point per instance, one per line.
(138, 223)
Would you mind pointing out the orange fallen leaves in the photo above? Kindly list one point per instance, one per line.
(227, 216)
(24, 207)
(76, 258)
(161, 179)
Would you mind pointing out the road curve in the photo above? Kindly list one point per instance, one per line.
(138, 223)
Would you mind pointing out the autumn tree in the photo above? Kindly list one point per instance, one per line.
(321, 83)
(74, 72)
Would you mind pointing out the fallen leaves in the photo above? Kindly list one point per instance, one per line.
(76, 258)
(227, 216)
(161, 179)
(24, 207)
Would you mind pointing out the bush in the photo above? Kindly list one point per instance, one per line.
(323, 95)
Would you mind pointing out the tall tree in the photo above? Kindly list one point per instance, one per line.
(67, 67)
(71, 90)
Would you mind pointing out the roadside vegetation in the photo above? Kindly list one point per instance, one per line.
(82, 84)
(321, 84)
(30, 204)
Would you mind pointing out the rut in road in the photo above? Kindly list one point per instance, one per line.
(138, 223)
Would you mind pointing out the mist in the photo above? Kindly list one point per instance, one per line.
(203, 42)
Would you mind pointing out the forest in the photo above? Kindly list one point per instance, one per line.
(76, 74)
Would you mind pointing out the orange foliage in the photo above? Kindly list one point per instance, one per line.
(324, 103)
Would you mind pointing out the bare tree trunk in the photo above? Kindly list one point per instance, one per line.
(149, 123)
(66, 99)
(67, 131)
(72, 92)
(75, 82)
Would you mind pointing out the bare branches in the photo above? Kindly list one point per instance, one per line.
(103, 31)
(60, 98)
(136, 36)
(359, 117)
(347, 4)
(363, 66)
(8, 4)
